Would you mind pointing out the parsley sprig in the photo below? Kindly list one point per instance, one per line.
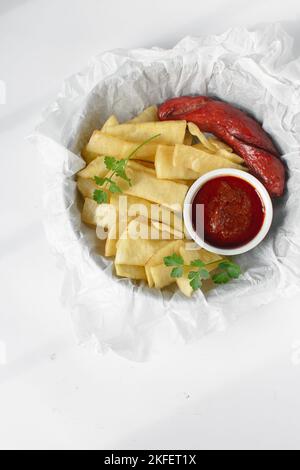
(117, 168)
(228, 270)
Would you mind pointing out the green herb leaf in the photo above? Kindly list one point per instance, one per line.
(174, 260)
(121, 173)
(198, 264)
(177, 272)
(221, 278)
(193, 274)
(196, 283)
(114, 188)
(232, 269)
(99, 181)
(204, 274)
(110, 163)
(100, 196)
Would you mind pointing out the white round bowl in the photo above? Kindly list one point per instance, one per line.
(261, 190)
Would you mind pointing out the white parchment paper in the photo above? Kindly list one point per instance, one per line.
(254, 70)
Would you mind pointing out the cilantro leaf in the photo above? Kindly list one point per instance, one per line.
(101, 197)
(110, 163)
(204, 274)
(198, 264)
(234, 272)
(121, 173)
(193, 274)
(221, 278)
(114, 188)
(99, 181)
(196, 283)
(174, 260)
(177, 272)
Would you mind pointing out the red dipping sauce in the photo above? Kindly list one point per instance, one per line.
(233, 212)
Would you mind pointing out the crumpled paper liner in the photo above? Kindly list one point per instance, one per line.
(254, 70)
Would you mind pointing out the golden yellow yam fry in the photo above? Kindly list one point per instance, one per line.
(132, 272)
(168, 231)
(222, 153)
(137, 252)
(204, 149)
(161, 276)
(203, 255)
(106, 216)
(188, 140)
(199, 161)
(87, 187)
(110, 246)
(139, 167)
(148, 115)
(136, 207)
(114, 234)
(219, 145)
(184, 286)
(103, 144)
(168, 132)
(166, 170)
(96, 168)
(195, 131)
(89, 210)
(149, 165)
(230, 156)
(158, 258)
(111, 121)
(147, 186)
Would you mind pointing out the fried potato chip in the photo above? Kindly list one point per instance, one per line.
(89, 210)
(104, 144)
(111, 121)
(148, 115)
(195, 131)
(168, 132)
(87, 187)
(158, 258)
(199, 161)
(136, 273)
(166, 170)
(96, 168)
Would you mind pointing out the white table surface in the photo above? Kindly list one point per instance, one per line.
(236, 389)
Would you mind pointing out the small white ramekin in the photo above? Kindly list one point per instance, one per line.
(261, 190)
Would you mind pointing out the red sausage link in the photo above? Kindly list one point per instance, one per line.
(237, 129)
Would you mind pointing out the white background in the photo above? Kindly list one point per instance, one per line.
(236, 389)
